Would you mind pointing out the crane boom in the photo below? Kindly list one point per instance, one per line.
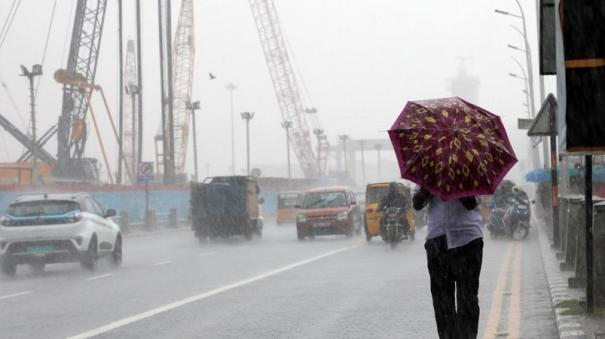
(184, 54)
(284, 84)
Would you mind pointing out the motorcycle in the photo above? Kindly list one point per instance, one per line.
(394, 226)
(513, 220)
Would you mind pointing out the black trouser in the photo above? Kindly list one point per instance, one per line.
(455, 281)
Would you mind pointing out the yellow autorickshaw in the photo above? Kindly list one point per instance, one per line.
(374, 194)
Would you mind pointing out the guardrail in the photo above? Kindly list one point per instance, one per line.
(153, 221)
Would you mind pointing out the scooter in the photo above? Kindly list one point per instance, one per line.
(394, 227)
(513, 220)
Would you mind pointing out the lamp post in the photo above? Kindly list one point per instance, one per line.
(363, 161)
(378, 147)
(524, 78)
(231, 87)
(247, 116)
(287, 125)
(343, 138)
(527, 52)
(194, 106)
(36, 71)
(319, 134)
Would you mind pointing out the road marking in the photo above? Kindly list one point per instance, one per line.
(496, 308)
(207, 254)
(15, 295)
(147, 314)
(102, 276)
(165, 262)
(514, 308)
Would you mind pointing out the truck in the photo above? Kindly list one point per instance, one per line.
(226, 206)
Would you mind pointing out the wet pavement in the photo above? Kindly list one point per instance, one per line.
(172, 286)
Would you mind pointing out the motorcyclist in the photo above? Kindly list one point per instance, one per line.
(503, 196)
(395, 198)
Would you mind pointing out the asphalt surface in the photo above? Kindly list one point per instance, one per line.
(172, 286)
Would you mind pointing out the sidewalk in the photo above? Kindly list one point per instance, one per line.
(571, 321)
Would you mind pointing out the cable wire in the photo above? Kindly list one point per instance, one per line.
(50, 26)
(9, 23)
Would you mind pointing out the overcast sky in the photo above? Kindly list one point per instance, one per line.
(361, 61)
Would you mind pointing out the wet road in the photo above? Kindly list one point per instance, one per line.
(171, 286)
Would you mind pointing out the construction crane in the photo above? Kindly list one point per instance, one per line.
(287, 90)
(129, 141)
(83, 55)
(183, 57)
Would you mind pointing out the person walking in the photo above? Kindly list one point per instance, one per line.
(454, 250)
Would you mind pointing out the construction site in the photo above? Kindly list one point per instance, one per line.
(97, 141)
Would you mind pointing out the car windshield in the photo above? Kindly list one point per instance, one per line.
(42, 208)
(325, 200)
(375, 194)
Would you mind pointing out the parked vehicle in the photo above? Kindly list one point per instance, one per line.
(513, 219)
(331, 210)
(286, 207)
(395, 226)
(226, 206)
(40, 229)
(373, 215)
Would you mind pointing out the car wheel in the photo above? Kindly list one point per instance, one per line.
(412, 235)
(248, 232)
(8, 268)
(90, 257)
(116, 254)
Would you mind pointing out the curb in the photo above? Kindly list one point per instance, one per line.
(568, 326)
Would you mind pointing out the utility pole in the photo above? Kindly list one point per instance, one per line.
(36, 71)
(139, 85)
(247, 116)
(287, 125)
(232, 87)
(121, 98)
(343, 138)
(193, 107)
(377, 147)
(319, 133)
(133, 91)
(363, 162)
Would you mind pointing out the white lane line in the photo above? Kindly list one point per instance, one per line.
(102, 276)
(147, 314)
(15, 295)
(165, 262)
(207, 254)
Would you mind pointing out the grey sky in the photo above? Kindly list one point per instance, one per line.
(361, 61)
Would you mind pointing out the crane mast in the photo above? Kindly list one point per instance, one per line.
(184, 54)
(130, 108)
(83, 55)
(285, 85)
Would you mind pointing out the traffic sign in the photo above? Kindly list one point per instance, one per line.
(145, 171)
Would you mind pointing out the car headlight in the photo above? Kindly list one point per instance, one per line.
(302, 218)
(342, 215)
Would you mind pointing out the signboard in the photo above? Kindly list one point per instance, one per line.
(524, 123)
(145, 172)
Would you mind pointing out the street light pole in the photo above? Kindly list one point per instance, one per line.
(343, 138)
(232, 87)
(363, 162)
(193, 107)
(378, 148)
(287, 125)
(525, 82)
(247, 116)
(36, 71)
(319, 134)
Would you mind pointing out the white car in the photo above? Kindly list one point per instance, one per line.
(55, 228)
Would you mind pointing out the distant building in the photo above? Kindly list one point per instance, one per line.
(464, 85)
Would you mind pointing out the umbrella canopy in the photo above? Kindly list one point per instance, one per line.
(451, 147)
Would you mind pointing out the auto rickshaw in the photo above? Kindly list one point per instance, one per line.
(286, 207)
(374, 194)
